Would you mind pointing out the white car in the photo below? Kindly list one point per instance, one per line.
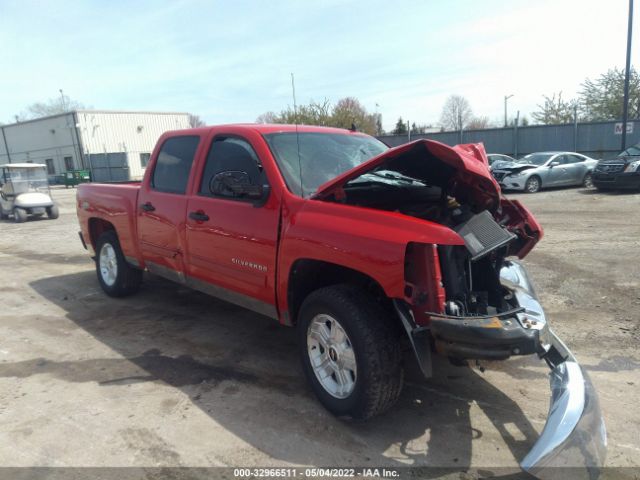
(24, 191)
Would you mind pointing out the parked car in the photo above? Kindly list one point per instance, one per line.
(24, 191)
(357, 246)
(620, 173)
(546, 169)
(499, 159)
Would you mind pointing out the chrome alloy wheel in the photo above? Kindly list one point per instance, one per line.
(533, 185)
(108, 264)
(332, 356)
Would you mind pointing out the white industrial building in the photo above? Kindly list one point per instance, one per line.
(113, 145)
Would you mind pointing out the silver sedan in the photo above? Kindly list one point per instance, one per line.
(546, 169)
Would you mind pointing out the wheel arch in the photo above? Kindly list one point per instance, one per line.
(307, 275)
(97, 226)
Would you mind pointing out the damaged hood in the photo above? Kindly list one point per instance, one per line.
(514, 167)
(471, 175)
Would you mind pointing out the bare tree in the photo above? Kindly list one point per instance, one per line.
(195, 121)
(52, 106)
(456, 113)
(478, 123)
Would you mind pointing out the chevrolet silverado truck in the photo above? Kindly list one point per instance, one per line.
(360, 247)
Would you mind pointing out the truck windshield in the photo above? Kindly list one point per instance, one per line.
(322, 156)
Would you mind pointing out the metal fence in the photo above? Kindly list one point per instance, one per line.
(596, 139)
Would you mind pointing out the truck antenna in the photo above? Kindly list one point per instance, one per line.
(295, 117)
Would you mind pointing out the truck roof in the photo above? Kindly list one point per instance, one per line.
(266, 128)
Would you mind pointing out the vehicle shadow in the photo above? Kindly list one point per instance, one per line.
(242, 370)
(612, 192)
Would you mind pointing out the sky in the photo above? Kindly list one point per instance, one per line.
(230, 61)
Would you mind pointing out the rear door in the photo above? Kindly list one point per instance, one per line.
(162, 205)
(576, 169)
(232, 239)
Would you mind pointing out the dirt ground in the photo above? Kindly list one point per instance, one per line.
(171, 377)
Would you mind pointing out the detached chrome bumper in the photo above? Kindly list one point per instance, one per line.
(573, 442)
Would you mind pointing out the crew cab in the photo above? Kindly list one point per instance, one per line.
(359, 247)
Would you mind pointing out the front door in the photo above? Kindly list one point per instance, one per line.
(162, 204)
(557, 175)
(232, 239)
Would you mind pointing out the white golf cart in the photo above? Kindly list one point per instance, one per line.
(24, 191)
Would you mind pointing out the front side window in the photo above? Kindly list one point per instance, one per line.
(173, 165)
(308, 160)
(233, 161)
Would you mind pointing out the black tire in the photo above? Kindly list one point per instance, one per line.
(127, 278)
(53, 212)
(587, 182)
(375, 342)
(533, 184)
(20, 215)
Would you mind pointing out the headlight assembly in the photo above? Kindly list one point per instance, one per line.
(632, 167)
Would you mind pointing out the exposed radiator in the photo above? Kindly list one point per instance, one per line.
(482, 235)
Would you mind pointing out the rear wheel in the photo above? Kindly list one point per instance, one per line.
(20, 215)
(350, 352)
(53, 212)
(588, 181)
(533, 184)
(117, 278)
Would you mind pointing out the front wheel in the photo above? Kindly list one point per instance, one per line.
(533, 184)
(20, 215)
(53, 212)
(350, 352)
(588, 181)
(117, 278)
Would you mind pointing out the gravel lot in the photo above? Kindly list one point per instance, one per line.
(171, 377)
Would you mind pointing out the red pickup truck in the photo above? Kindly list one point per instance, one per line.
(360, 247)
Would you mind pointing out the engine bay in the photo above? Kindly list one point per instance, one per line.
(421, 185)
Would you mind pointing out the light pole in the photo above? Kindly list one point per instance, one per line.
(62, 97)
(506, 97)
(625, 106)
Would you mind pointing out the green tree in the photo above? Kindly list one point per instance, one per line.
(555, 110)
(401, 127)
(349, 111)
(602, 99)
(418, 128)
(346, 112)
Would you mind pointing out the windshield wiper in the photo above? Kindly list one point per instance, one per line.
(390, 175)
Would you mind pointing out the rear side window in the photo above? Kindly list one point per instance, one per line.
(173, 166)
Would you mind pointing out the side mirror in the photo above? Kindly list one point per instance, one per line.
(237, 184)
(555, 163)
